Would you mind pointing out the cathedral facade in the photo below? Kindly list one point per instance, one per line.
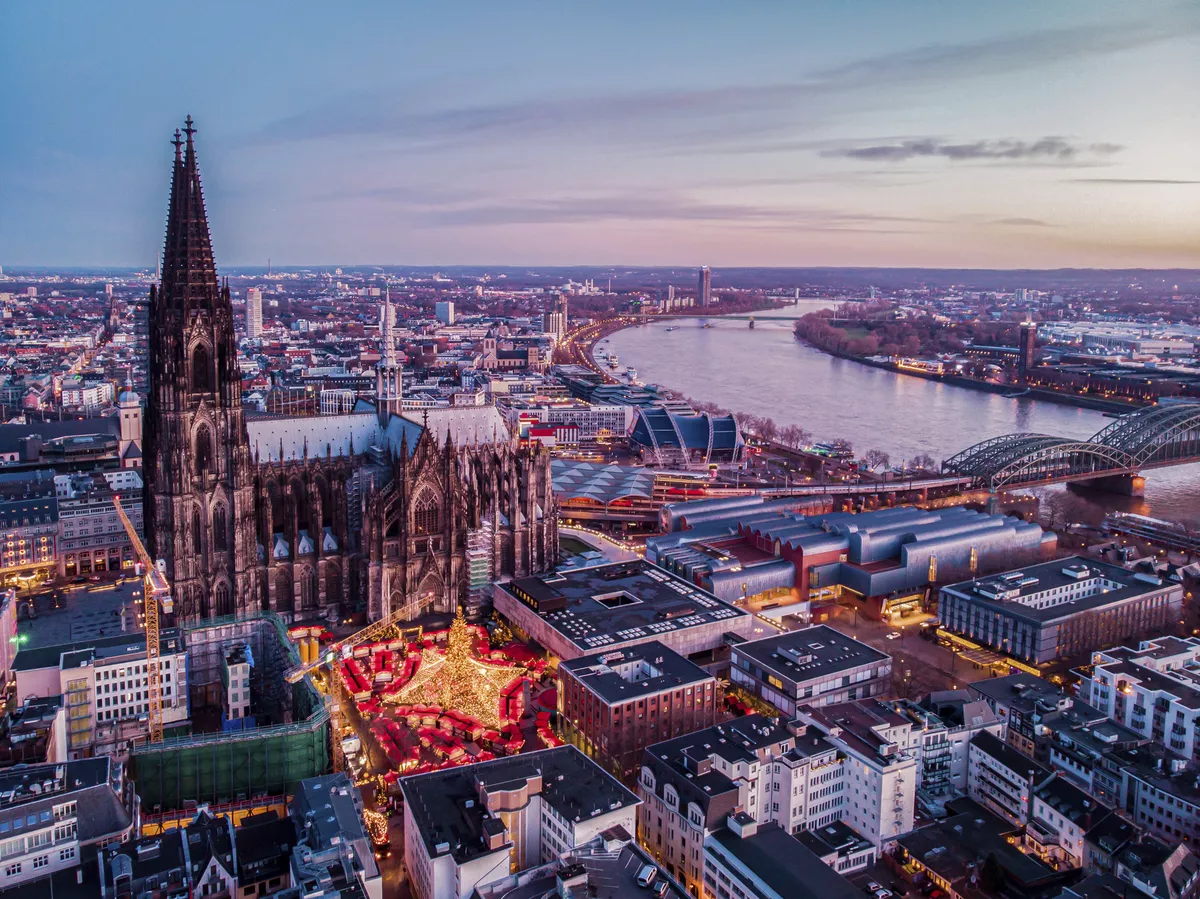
(325, 514)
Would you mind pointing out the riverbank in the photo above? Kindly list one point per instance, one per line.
(1008, 390)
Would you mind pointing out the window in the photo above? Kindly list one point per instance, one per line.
(201, 370)
(12, 870)
(41, 861)
(67, 854)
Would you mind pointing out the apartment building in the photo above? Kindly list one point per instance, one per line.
(51, 814)
(1060, 815)
(466, 827)
(1019, 701)
(690, 785)
(942, 725)
(881, 766)
(1001, 779)
(105, 686)
(1153, 689)
(1161, 792)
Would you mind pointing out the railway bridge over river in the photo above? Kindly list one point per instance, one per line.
(1114, 457)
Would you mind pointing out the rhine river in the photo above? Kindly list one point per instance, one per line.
(766, 371)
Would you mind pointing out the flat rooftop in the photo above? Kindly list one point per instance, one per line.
(448, 812)
(624, 674)
(786, 865)
(102, 649)
(813, 652)
(1012, 591)
(617, 603)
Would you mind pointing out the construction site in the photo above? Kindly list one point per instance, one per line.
(288, 741)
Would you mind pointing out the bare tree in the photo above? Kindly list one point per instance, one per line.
(876, 459)
(767, 428)
(924, 462)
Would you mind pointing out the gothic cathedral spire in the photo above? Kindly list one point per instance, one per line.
(198, 476)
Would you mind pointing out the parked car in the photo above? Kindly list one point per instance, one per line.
(894, 635)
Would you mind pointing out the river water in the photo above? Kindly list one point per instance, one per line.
(766, 371)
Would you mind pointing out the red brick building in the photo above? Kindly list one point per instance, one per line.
(613, 705)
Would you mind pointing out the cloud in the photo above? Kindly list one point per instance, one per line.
(689, 119)
(652, 207)
(1055, 149)
(1021, 222)
(1129, 181)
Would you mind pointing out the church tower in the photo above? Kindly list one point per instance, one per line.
(199, 481)
(389, 389)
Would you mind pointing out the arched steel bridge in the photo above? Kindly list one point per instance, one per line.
(1168, 434)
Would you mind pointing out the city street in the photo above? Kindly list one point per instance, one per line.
(920, 665)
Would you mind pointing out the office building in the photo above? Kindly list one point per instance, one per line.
(1059, 609)
(91, 536)
(619, 606)
(594, 422)
(443, 311)
(814, 666)
(467, 826)
(612, 705)
(254, 319)
(1153, 689)
(1027, 351)
(105, 685)
(704, 290)
(1160, 792)
(28, 524)
(53, 816)
(749, 860)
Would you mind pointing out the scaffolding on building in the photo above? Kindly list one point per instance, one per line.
(243, 765)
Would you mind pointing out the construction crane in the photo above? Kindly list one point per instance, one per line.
(157, 592)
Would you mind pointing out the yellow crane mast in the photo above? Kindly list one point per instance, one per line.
(157, 593)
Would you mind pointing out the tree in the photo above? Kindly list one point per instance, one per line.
(876, 459)
(924, 462)
(767, 429)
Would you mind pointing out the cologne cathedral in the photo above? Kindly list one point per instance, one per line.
(309, 516)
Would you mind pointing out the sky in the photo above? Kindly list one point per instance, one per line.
(785, 133)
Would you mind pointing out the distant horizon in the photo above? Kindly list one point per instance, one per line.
(925, 135)
(534, 267)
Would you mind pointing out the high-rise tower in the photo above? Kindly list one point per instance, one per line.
(199, 481)
(254, 313)
(704, 291)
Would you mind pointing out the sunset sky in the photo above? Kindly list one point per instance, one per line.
(1014, 134)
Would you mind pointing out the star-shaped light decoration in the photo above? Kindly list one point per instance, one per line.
(458, 680)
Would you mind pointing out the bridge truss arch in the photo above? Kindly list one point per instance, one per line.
(1159, 434)
(1016, 459)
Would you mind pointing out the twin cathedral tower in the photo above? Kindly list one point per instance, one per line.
(305, 516)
